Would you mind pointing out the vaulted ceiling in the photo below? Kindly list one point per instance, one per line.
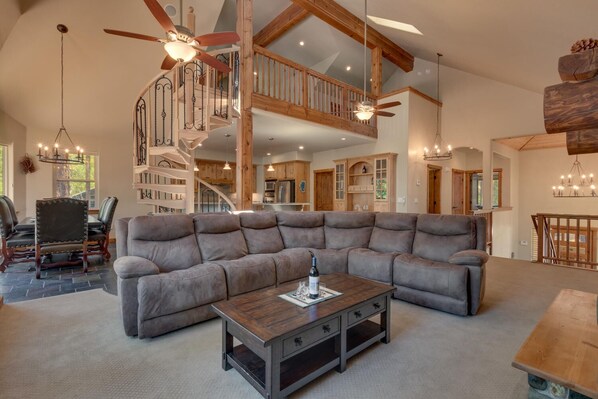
(511, 41)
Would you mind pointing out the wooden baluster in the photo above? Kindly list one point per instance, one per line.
(589, 248)
(558, 238)
(304, 88)
(568, 240)
(577, 241)
(540, 238)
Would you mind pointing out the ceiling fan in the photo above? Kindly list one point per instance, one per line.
(180, 44)
(366, 109)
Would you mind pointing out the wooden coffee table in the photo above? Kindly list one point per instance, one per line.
(561, 354)
(283, 346)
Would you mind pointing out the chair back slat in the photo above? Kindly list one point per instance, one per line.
(61, 220)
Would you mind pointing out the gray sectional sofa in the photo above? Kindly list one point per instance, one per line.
(171, 268)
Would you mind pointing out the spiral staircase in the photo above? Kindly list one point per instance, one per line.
(173, 115)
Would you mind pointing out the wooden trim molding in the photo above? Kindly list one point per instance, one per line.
(280, 25)
(411, 90)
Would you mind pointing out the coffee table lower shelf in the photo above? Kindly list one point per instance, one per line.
(308, 365)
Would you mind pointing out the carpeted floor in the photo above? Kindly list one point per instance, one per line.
(73, 346)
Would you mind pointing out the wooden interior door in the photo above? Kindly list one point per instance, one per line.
(434, 176)
(458, 192)
(323, 189)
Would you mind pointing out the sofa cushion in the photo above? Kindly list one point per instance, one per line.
(301, 229)
(292, 264)
(261, 232)
(331, 260)
(168, 241)
(348, 229)
(370, 264)
(393, 232)
(219, 237)
(437, 237)
(249, 273)
(426, 275)
(169, 293)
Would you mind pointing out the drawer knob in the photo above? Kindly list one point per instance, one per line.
(357, 314)
(298, 341)
(376, 305)
(326, 328)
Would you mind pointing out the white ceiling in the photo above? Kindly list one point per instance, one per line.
(512, 41)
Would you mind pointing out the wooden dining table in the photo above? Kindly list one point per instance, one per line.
(28, 224)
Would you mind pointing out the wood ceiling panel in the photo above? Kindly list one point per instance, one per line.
(535, 142)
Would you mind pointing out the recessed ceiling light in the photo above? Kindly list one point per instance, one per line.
(301, 147)
(348, 68)
(302, 43)
(343, 138)
(389, 23)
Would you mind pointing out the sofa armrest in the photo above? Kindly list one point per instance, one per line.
(470, 257)
(134, 266)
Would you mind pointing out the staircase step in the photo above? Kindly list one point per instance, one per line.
(176, 204)
(171, 153)
(166, 188)
(181, 174)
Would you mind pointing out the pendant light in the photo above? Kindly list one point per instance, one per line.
(47, 155)
(436, 154)
(365, 109)
(226, 164)
(270, 167)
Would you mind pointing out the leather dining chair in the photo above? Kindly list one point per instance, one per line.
(99, 238)
(16, 246)
(60, 227)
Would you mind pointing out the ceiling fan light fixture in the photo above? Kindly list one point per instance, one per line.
(364, 115)
(180, 51)
(389, 23)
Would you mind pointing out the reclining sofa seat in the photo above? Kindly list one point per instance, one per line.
(444, 270)
(392, 235)
(162, 283)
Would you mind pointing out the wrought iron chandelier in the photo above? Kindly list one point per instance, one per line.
(437, 154)
(576, 183)
(54, 154)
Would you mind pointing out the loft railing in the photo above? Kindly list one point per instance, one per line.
(282, 79)
(569, 240)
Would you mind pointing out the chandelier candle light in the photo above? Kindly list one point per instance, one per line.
(55, 155)
(436, 153)
(576, 183)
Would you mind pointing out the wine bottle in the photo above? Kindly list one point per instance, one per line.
(314, 278)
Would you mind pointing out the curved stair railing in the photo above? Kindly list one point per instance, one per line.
(212, 199)
(173, 115)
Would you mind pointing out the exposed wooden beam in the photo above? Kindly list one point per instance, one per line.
(341, 19)
(376, 85)
(279, 25)
(244, 169)
(582, 142)
(571, 106)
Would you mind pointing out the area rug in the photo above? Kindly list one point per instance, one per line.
(73, 346)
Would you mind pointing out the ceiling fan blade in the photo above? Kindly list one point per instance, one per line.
(383, 113)
(132, 35)
(218, 38)
(388, 105)
(159, 13)
(213, 62)
(168, 63)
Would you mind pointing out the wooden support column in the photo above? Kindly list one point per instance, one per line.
(244, 168)
(376, 85)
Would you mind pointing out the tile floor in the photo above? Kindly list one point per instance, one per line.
(18, 282)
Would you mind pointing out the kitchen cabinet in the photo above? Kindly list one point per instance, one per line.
(293, 170)
(365, 183)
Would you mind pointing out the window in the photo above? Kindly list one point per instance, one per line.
(3, 169)
(78, 181)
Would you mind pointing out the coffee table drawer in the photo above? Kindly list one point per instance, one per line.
(363, 312)
(309, 337)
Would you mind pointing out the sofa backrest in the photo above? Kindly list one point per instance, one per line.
(348, 229)
(219, 237)
(301, 229)
(168, 241)
(437, 237)
(261, 232)
(480, 223)
(122, 233)
(393, 232)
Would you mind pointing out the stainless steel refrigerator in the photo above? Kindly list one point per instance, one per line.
(285, 191)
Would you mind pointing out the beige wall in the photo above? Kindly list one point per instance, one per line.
(115, 173)
(13, 134)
